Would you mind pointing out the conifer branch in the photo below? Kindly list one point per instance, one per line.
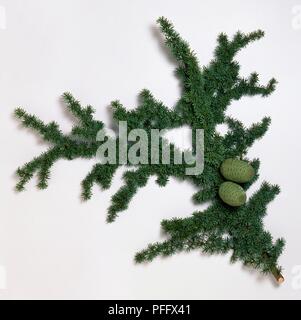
(249, 87)
(102, 174)
(257, 204)
(239, 139)
(207, 93)
(84, 115)
(121, 199)
(150, 114)
(40, 164)
(179, 47)
(50, 132)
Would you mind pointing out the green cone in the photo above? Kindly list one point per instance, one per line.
(232, 194)
(237, 170)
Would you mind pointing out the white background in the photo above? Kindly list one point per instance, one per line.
(52, 246)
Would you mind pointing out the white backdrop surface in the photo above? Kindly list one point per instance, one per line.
(53, 246)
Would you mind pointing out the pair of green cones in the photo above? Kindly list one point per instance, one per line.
(236, 171)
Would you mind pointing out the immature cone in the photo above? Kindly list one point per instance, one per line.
(237, 170)
(232, 194)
